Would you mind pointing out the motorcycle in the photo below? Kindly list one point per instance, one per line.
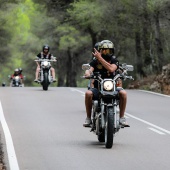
(45, 77)
(15, 81)
(105, 114)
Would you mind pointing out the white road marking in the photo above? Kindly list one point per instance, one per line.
(134, 117)
(78, 91)
(157, 131)
(13, 163)
(148, 123)
(163, 95)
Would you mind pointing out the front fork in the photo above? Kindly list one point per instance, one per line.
(42, 75)
(116, 114)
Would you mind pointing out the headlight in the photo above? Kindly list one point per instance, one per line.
(45, 63)
(108, 85)
(16, 77)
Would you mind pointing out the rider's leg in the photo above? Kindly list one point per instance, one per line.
(90, 95)
(122, 106)
(53, 73)
(37, 73)
(21, 81)
(123, 101)
(88, 103)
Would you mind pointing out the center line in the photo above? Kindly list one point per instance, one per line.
(148, 123)
(157, 131)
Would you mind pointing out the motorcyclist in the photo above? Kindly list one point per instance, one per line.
(16, 73)
(20, 71)
(45, 54)
(91, 81)
(107, 65)
(21, 75)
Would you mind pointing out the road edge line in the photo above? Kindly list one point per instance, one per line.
(13, 163)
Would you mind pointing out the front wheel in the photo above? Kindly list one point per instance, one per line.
(109, 128)
(45, 82)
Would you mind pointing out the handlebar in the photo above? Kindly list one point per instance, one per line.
(45, 60)
(96, 75)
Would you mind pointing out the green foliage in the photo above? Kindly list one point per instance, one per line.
(83, 14)
(71, 38)
(72, 27)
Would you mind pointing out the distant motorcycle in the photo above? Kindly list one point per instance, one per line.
(105, 114)
(15, 81)
(45, 77)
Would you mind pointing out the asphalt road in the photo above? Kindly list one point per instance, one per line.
(47, 132)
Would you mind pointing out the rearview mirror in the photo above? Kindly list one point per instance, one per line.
(130, 68)
(127, 67)
(85, 66)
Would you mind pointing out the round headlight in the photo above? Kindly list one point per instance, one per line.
(16, 77)
(45, 63)
(108, 85)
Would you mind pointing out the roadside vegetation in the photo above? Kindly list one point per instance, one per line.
(138, 28)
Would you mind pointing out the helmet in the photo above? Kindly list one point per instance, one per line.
(20, 70)
(106, 44)
(46, 47)
(107, 48)
(96, 46)
(16, 71)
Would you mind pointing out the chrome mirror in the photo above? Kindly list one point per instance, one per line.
(85, 66)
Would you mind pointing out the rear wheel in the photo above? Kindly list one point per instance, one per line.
(45, 82)
(109, 128)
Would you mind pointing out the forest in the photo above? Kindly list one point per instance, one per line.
(139, 30)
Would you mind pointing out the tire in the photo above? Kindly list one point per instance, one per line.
(45, 82)
(101, 137)
(109, 128)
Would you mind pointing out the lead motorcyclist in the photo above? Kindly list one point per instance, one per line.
(107, 65)
(45, 54)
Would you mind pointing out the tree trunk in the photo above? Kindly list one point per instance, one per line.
(71, 69)
(61, 71)
(158, 41)
(146, 36)
(139, 54)
(93, 37)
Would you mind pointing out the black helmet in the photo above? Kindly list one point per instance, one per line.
(96, 46)
(20, 70)
(46, 47)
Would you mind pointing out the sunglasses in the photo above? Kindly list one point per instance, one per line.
(107, 51)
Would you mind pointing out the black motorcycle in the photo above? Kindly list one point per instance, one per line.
(45, 77)
(105, 114)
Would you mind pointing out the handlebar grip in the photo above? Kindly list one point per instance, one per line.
(85, 77)
(130, 77)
